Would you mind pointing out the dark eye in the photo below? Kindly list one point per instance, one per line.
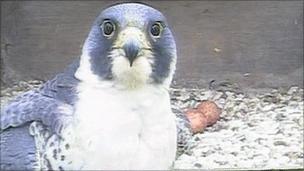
(108, 28)
(156, 29)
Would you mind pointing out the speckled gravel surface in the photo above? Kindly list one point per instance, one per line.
(9, 93)
(257, 130)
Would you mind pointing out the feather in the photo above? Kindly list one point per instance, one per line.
(51, 104)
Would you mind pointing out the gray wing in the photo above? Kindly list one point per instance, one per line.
(18, 150)
(34, 106)
(51, 104)
(184, 132)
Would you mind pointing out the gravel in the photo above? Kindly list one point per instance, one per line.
(10, 93)
(256, 130)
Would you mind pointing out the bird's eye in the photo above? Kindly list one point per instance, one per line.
(108, 28)
(156, 29)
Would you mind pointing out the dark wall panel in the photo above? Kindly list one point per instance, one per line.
(251, 43)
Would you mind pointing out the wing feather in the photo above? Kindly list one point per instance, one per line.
(52, 103)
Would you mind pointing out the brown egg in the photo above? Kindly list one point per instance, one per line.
(210, 110)
(198, 121)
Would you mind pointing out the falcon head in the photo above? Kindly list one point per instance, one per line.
(129, 44)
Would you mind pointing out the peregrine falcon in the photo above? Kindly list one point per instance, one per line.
(110, 109)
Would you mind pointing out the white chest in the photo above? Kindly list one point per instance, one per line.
(119, 129)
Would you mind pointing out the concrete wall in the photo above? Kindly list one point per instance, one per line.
(250, 43)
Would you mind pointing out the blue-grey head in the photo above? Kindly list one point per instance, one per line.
(130, 44)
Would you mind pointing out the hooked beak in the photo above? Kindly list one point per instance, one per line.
(131, 49)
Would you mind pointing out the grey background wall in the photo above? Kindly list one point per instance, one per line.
(250, 43)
